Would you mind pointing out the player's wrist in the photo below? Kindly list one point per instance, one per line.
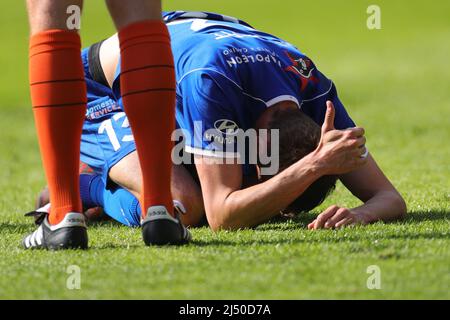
(315, 164)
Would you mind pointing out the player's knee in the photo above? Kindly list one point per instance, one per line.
(125, 13)
(53, 14)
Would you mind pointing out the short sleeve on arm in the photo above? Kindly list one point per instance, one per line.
(207, 104)
(315, 103)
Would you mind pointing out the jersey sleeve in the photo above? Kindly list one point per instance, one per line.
(206, 112)
(320, 92)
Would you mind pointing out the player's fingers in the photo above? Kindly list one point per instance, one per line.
(324, 216)
(359, 152)
(311, 225)
(340, 215)
(361, 141)
(355, 143)
(345, 222)
(328, 123)
(362, 151)
(356, 132)
(365, 152)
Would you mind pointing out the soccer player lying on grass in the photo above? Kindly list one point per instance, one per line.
(232, 78)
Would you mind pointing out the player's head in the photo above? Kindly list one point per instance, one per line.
(299, 135)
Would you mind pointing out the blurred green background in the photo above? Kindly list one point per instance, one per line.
(395, 82)
(412, 45)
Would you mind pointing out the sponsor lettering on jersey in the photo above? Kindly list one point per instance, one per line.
(102, 109)
(237, 56)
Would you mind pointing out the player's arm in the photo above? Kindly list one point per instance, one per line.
(381, 200)
(368, 183)
(127, 174)
(228, 206)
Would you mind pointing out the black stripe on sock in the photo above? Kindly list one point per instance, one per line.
(147, 90)
(148, 67)
(55, 81)
(60, 105)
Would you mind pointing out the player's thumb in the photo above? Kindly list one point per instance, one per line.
(328, 122)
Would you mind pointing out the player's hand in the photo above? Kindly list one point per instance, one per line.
(340, 151)
(337, 217)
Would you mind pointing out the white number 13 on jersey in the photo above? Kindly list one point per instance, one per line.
(107, 126)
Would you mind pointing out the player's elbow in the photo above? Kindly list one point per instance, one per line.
(222, 220)
(397, 205)
(400, 204)
(227, 214)
(217, 224)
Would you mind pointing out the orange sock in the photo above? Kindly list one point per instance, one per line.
(58, 94)
(147, 85)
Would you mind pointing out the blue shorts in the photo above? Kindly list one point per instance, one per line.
(104, 143)
(107, 136)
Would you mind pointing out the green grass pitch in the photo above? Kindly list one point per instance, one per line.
(394, 82)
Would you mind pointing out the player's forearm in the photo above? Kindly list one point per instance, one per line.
(383, 206)
(254, 205)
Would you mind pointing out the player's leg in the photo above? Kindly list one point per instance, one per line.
(184, 189)
(58, 95)
(122, 204)
(148, 92)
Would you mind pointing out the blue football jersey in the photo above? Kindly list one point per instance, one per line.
(227, 70)
(227, 74)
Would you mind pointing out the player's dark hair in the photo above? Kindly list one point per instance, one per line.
(299, 135)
